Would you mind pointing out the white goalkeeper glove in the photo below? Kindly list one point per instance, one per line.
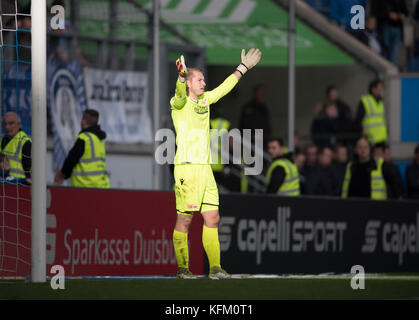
(249, 60)
(181, 68)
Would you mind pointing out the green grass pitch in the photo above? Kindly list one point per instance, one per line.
(304, 287)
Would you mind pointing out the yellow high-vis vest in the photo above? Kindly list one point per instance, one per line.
(291, 185)
(13, 152)
(91, 171)
(378, 184)
(374, 120)
(218, 124)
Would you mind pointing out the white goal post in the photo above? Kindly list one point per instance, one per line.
(39, 140)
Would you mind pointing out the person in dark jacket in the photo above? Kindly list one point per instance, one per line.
(371, 38)
(339, 164)
(255, 114)
(412, 177)
(325, 181)
(367, 177)
(86, 161)
(345, 131)
(390, 14)
(308, 169)
(326, 126)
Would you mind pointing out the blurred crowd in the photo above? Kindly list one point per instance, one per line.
(348, 156)
(391, 27)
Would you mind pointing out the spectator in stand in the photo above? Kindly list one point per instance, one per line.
(325, 126)
(412, 177)
(23, 37)
(390, 14)
(387, 153)
(255, 113)
(339, 163)
(59, 47)
(383, 151)
(324, 181)
(299, 159)
(308, 169)
(371, 38)
(344, 115)
(297, 147)
(367, 177)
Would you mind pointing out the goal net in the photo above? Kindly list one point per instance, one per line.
(16, 156)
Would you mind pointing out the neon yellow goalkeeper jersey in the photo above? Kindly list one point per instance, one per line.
(192, 121)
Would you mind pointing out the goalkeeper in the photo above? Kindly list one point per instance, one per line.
(195, 187)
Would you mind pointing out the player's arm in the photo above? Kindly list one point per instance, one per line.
(179, 100)
(248, 61)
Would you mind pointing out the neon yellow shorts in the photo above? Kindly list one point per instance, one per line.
(195, 188)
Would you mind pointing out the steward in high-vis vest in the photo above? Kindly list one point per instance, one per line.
(368, 177)
(282, 176)
(371, 116)
(218, 126)
(15, 150)
(85, 164)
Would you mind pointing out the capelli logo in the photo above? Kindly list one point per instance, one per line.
(224, 231)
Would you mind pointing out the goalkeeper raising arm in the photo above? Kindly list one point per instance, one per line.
(195, 187)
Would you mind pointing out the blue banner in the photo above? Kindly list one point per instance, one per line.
(66, 104)
(410, 110)
(16, 93)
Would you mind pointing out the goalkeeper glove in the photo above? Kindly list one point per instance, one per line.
(249, 60)
(181, 68)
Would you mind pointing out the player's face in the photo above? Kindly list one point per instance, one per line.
(11, 126)
(196, 84)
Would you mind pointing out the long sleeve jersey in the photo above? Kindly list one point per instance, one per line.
(191, 121)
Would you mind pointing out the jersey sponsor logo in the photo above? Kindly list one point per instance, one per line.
(181, 181)
(192, 206)
(201, 110)
(203, 102)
